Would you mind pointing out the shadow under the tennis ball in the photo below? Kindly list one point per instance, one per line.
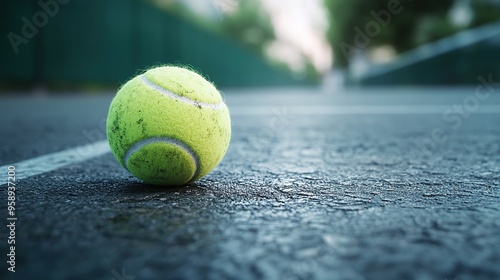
(136, 187)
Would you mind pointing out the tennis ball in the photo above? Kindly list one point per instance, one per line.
(168, 126)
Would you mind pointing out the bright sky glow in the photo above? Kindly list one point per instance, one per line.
(300, 27)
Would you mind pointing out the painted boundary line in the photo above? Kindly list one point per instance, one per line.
(46, 163)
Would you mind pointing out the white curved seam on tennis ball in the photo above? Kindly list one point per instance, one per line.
(184, 99)
(166, 140)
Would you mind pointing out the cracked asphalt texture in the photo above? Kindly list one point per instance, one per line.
(319, 196)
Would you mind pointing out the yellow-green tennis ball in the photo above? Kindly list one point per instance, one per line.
(168, 126)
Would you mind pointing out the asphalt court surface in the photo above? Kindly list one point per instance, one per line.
(398, 183)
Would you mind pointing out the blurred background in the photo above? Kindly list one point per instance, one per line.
(60, 45)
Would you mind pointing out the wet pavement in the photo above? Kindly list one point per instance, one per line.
(364, 184)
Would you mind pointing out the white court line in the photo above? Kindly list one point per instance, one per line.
(354, 110)
(47, 163)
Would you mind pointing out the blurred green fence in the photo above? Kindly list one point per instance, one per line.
(85, 42)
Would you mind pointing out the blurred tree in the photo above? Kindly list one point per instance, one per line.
(485, 11)
(357, 25)
(249, 24)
